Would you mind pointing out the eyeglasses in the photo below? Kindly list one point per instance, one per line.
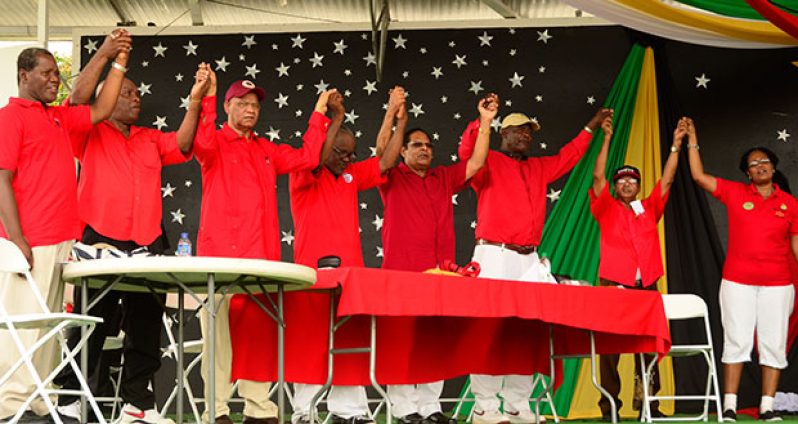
(755, 163)
(420, 144)
(626, 181)
(344, 155)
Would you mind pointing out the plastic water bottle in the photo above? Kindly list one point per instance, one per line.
(183, 245)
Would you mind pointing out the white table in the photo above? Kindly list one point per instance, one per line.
(194, 275)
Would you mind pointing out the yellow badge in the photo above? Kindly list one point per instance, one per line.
(780, 214)
(748, 206)
(783, 207)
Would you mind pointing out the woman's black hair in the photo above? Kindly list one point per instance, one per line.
(774, 160)
(781, 180)
(411, 131)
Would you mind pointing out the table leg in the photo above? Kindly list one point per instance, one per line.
(84, 353)
(280, 356)
(179, 352)
(373, 370)
(604, 392)
(211, 337)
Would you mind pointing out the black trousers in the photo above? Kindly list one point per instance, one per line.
(139, 315)
(608, 367)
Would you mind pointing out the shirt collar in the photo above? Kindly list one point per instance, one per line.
(776, 190)
(513, 155)
(25, 102)
(231, 134)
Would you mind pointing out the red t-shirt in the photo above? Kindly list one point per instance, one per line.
(511, 194)
(119, 192)
(239, 189)
(35, 146)
(629, 241)
(759, 233)
(418, 230)
(325, 212)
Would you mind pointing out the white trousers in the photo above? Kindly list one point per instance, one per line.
(766, 309)
(17, 299)
(255, 393)
(343, 401)
(422, 399)
(500, 263)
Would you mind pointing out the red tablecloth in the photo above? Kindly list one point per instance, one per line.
(434, 327)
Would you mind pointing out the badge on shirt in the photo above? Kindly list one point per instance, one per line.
(780, 214)
(783, 207)
(748, 206)
(637, 207)
(347, 177)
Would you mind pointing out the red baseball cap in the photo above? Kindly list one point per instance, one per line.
(241, 87)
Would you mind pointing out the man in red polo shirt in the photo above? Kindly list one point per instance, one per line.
(324, 206)
(238, 218)
(630, 245)
(511, 210)
(38, 202)
(418, 233)
(119, 197)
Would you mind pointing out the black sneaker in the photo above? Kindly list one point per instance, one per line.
(28, 417)
(414, 418)
(358, 419)
(439, 418)
(730, 416)
(770, 416)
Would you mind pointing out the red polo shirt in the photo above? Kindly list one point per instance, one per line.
(239, 190)
(759, 233)
(325, 212)
(511, 194)
(418, 230)
(34, 144)
(119, 192)
(629, 241)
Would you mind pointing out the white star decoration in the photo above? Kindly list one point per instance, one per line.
(459, 61)
(399, 42)
(436, 72)
(444, 99)
(252, 71)
(370, 59)
(191, 48)
(320, 87)
(160, 122)
(177, 216)
(554, 195)
(298, 41)
(591, 100)
(379, 252)
(476, 87)
(179, 77)
(168, 191)
(544, 36)
(516, 80)
(144, 88)
(371, 86)
(539, 98)
(282, 70)
(363, 206)
(160, 50)
(484, 39)
(273, 134)
(188, 183)
(454, 200)
(496, 124)
(377, 222)
(90, 46)
(221, 64)
(339, 47)
(453, 157)
(316, 60)
(281, 100)
(288, 237)
(702, 81)
(416, 109)
(351, 117)
(249, 41)
(542, 69)
(783, 135)
(184, 101)
(473, 224)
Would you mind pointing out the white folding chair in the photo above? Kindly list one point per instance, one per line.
(50, 326)
(683, 307)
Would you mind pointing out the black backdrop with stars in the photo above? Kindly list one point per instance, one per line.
(560, 75)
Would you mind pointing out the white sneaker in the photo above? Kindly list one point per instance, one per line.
(131, 414)
(72, 410)
(523, 417)
(490, 417)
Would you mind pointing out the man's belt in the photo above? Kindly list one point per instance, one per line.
(523, 250)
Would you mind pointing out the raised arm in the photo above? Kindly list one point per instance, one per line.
(330, 100)
(103, 106)
(188, 128)
(704, 180)
(673, 158)
(488, 108)
(396, 101)
(390, 153)
(85, 84)
(599, 169)
(9, 215)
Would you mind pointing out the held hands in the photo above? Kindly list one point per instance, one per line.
(488, 107)
(599, 117)
(692, 138)
(321, 103)
(396, 102)
(116, 45)
(680, 132)
(335, 103)
(202, 82)
(606, 126)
